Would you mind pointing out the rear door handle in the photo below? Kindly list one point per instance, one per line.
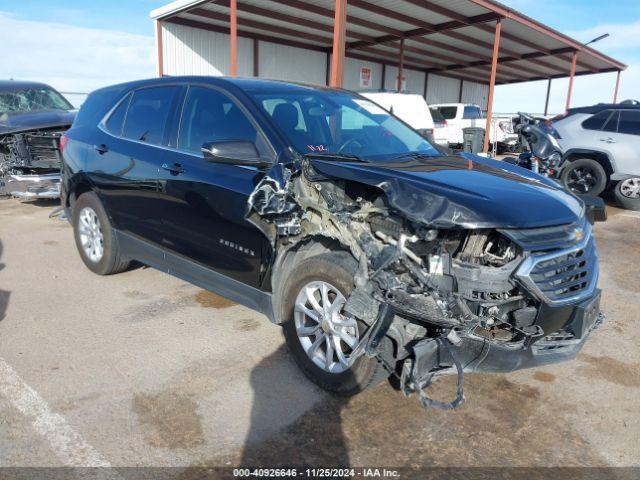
(608, 140)
(101, 149)
(174, 168)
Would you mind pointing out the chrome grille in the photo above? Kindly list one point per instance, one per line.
(44, 149)
(563, 276)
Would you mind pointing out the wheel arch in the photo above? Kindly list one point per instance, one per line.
(308, 247)
(601, 157)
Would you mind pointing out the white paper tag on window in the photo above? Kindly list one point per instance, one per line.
(370, 107)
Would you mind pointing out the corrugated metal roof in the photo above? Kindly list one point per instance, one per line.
(447, 37)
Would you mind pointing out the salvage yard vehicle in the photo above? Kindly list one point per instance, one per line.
(33, 116)
(377, 254)
(412, 109)
(459, 116)
(601, 144)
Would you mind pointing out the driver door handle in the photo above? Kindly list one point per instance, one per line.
(608, 140)
(174, 168)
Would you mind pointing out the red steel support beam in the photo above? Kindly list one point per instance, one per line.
(615, 90)
(400, 65)
(574, 58)
(339, 40)
(546, 102)
(160, 53)
(233, 38)
(492, 84)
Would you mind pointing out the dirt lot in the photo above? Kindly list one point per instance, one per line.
(143, 369)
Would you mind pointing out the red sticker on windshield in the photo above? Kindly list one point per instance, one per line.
(317, 148)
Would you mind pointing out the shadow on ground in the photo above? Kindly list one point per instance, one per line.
(315, 438)
(503, 423)
(4, 295)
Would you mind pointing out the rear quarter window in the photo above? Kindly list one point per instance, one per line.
(115, 121)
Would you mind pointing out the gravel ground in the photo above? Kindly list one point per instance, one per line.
(144, 369)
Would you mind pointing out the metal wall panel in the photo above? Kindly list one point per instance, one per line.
(352, 74)
(413, 78)
(193, 51)
(282, 62)
(477, 93)
(442, 89)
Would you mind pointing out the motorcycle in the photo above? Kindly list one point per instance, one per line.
(541, 151)
(542, 154)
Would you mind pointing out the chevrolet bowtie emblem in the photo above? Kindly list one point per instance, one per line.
(578, 234)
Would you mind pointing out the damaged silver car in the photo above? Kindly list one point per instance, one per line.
(379, 254)
(33, 117)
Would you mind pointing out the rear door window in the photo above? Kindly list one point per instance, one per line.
(449, 113)
(611, 125)
(629, 122)
(148, 114)
(597, 121)
(471, 112)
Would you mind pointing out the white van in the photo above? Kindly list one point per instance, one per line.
(412, 109)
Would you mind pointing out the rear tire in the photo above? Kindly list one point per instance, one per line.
(584, 177)
(95, 238)
(335, 270)
(627, 194)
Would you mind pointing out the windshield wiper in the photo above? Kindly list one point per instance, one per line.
(414, 155)
(337, 156)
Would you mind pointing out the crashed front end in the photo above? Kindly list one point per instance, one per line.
(30, 163)
(453, 296)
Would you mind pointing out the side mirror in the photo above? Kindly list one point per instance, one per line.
(595, 209)
(233, 152)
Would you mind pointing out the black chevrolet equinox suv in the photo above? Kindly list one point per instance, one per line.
(378, 254)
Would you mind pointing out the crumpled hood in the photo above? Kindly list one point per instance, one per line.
(20, 122)
(463, 191)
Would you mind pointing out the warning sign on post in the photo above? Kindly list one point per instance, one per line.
(365, 77)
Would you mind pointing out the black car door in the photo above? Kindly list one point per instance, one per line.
(204, 203)
(128, 156)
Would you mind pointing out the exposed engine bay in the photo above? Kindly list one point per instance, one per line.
(30, 163)
(444, 295)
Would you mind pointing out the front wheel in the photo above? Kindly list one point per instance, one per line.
(627, 193)
(320, 336)
(584, 177)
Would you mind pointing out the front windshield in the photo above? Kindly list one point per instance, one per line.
(340, 123)
(31, 99)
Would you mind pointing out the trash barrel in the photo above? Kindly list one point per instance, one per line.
(473, 139)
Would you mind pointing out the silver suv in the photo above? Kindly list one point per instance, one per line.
(602, 145)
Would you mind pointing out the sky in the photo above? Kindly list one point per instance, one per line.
(80, 45)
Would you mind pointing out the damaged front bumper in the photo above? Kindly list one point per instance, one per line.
(469, 352)
(33, 186)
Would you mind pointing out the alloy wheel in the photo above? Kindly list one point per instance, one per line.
(90, 233)
(326, 334)
(630, 188)
(581, 180)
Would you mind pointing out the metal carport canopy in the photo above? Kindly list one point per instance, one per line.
(476, 40)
